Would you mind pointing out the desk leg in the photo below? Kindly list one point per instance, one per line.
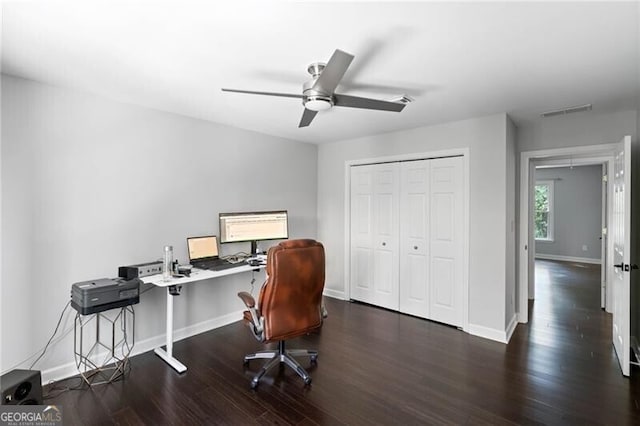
(167, 355)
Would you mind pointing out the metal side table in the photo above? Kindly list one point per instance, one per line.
(102, 351)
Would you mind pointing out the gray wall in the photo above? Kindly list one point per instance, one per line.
(89, 184)
(577, 212)
(486, 139)
(579, 129)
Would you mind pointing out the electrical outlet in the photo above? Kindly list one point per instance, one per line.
(584, 247)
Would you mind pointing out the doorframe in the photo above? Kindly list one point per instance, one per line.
(432, 155)
(604, 239)
(526, 242)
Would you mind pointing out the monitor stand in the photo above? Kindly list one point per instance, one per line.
(254, 249)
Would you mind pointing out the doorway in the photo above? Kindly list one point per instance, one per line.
(594, 154)
(570, 218)
(617, 261)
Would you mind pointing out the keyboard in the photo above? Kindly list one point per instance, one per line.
(217, 265)
(226, 265)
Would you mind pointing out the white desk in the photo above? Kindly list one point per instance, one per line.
(196, 275)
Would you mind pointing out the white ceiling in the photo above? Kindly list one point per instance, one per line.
(456, 60)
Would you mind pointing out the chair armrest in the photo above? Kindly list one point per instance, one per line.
(248, 299)
(257, 322)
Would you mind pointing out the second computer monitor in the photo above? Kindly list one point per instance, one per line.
(253, 227)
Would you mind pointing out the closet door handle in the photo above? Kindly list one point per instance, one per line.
(415, 247)
(384, 244)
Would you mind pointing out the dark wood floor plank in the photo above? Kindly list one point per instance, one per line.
(381, 367)
(127, 417)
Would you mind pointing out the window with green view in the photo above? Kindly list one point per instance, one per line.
(544, 210)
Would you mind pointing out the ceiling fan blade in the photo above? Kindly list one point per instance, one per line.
(333, 72)
(366, 103)
(251, 92)
(307, 117)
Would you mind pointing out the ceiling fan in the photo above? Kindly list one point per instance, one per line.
(318, 94)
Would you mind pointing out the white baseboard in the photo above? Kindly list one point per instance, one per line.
(568, 258)
(511, 327)
(69, 369)
(336, 294)
(488, 333)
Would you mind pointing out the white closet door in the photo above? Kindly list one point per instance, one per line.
(414, 243)
(445, 241)
(374, 234)
(362, 233)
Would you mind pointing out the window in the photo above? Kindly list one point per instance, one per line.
(544, 210)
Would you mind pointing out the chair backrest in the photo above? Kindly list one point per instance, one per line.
(291, 298)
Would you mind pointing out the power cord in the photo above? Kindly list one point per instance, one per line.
(54, 386)
(62, 336)
(253, 280)
(238, 257)
(52, 336)
(51, 340)
(82, 385)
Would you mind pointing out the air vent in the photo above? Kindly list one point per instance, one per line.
(404, 99)
(569, 110)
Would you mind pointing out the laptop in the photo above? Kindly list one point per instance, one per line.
(203, 253)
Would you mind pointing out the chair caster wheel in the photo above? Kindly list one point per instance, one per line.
(307, 381)
(245, 362)
(254, 384)
(314, 359)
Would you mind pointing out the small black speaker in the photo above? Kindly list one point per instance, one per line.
(21, 387)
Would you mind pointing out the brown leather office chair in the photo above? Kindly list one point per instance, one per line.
(290, 303)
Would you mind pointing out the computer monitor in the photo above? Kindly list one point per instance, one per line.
(253, 227)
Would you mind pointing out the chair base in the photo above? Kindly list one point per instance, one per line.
(280, 356)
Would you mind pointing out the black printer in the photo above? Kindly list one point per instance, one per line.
(102, 294)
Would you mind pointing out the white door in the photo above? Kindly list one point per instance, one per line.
(621, 252)
(374, 234)
(603, 238)
(445, 241)
(361, 278)
(414, 243)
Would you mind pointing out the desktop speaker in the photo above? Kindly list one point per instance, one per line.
(21, 387)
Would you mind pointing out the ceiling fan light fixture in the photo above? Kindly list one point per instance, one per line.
(318, 103)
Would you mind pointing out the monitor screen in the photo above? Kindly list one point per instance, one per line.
(202, 247)
(253, 226)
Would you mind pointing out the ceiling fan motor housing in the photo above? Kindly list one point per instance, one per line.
(314, 99)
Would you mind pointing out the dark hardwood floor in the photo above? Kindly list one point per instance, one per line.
(380, 367)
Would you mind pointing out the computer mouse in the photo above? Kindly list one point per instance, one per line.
(254, 262)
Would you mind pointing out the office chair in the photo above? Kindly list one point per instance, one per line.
(290, 304)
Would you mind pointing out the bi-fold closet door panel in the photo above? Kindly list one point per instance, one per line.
(446, 241)
(374, 234)
(414, 237)
(406, 237)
